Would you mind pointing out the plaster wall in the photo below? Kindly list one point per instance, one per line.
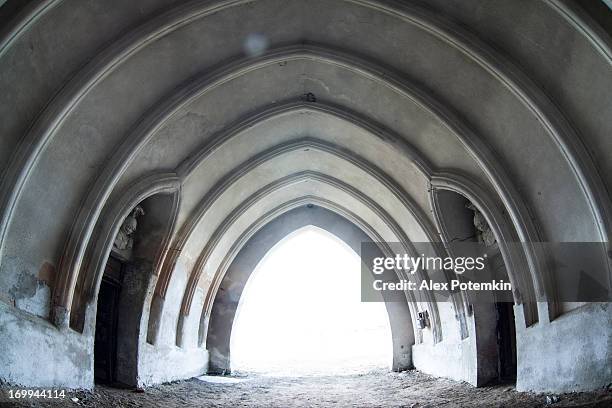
(571, 353)
(34, 353)
(514, 96)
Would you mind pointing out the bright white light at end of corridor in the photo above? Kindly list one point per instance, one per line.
(301, 312)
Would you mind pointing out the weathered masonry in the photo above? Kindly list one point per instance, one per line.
(153, 151)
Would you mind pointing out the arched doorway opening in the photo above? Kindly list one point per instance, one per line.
(133, 253)
(301, 312)
(466, 230)
(216, 329)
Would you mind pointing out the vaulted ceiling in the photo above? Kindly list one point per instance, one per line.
(245, 109)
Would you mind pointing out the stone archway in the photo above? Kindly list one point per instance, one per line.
(119, 279)
(491, 325)
(218, 333)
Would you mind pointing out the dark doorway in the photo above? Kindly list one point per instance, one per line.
(506, 342)
(105, 345)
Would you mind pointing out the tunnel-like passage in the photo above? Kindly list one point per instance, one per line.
(233, 124)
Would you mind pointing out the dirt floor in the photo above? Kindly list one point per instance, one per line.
(375, 389)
